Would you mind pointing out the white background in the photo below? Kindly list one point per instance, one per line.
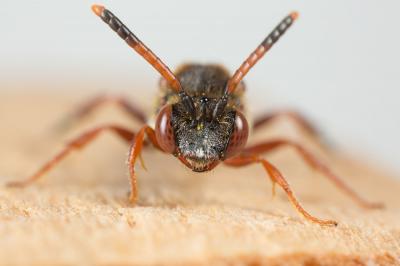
(339, 63)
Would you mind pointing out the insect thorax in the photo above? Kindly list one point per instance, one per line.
(201, 81)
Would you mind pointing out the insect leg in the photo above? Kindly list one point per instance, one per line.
(277, 177)
(77, 143)
(313, 162)
(88, 107)
(265, 119)
(299, 119)
(134, 152)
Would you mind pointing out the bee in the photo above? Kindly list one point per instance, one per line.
(200, 120)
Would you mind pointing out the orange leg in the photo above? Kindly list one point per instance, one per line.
(88, 107)
(298, 118)
(134, 152)
(276, 177)
(77, 143)
(313, 162)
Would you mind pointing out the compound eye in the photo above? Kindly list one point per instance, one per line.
(164, 132)
(239, 135)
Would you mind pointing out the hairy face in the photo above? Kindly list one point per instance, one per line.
(202, 143)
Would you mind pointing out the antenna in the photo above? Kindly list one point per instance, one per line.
(259, 52)
(116, 25)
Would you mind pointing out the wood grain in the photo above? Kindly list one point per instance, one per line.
(79, 213)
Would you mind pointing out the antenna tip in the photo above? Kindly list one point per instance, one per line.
(97, 9)
(294, 15)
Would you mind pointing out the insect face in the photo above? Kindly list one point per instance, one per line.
(205, 125)
(201, 143)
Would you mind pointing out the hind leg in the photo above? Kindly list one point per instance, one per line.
(90, 106)
(297, 118)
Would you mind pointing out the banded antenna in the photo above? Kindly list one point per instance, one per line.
(259, 52)
(115, 24)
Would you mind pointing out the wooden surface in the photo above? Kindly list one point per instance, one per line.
(79, 214)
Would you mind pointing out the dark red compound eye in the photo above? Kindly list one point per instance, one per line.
(239, 135)
(164, 131)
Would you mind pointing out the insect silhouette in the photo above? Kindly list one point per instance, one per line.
(200, 120)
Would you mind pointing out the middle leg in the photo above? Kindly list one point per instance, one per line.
(77, 143)
(312, 161)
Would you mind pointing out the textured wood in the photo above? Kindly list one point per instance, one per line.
(79, 213)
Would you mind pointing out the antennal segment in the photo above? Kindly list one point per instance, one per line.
(259, 52)
(134, 42)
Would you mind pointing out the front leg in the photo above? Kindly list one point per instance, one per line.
(278, 178)
(134, 152)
